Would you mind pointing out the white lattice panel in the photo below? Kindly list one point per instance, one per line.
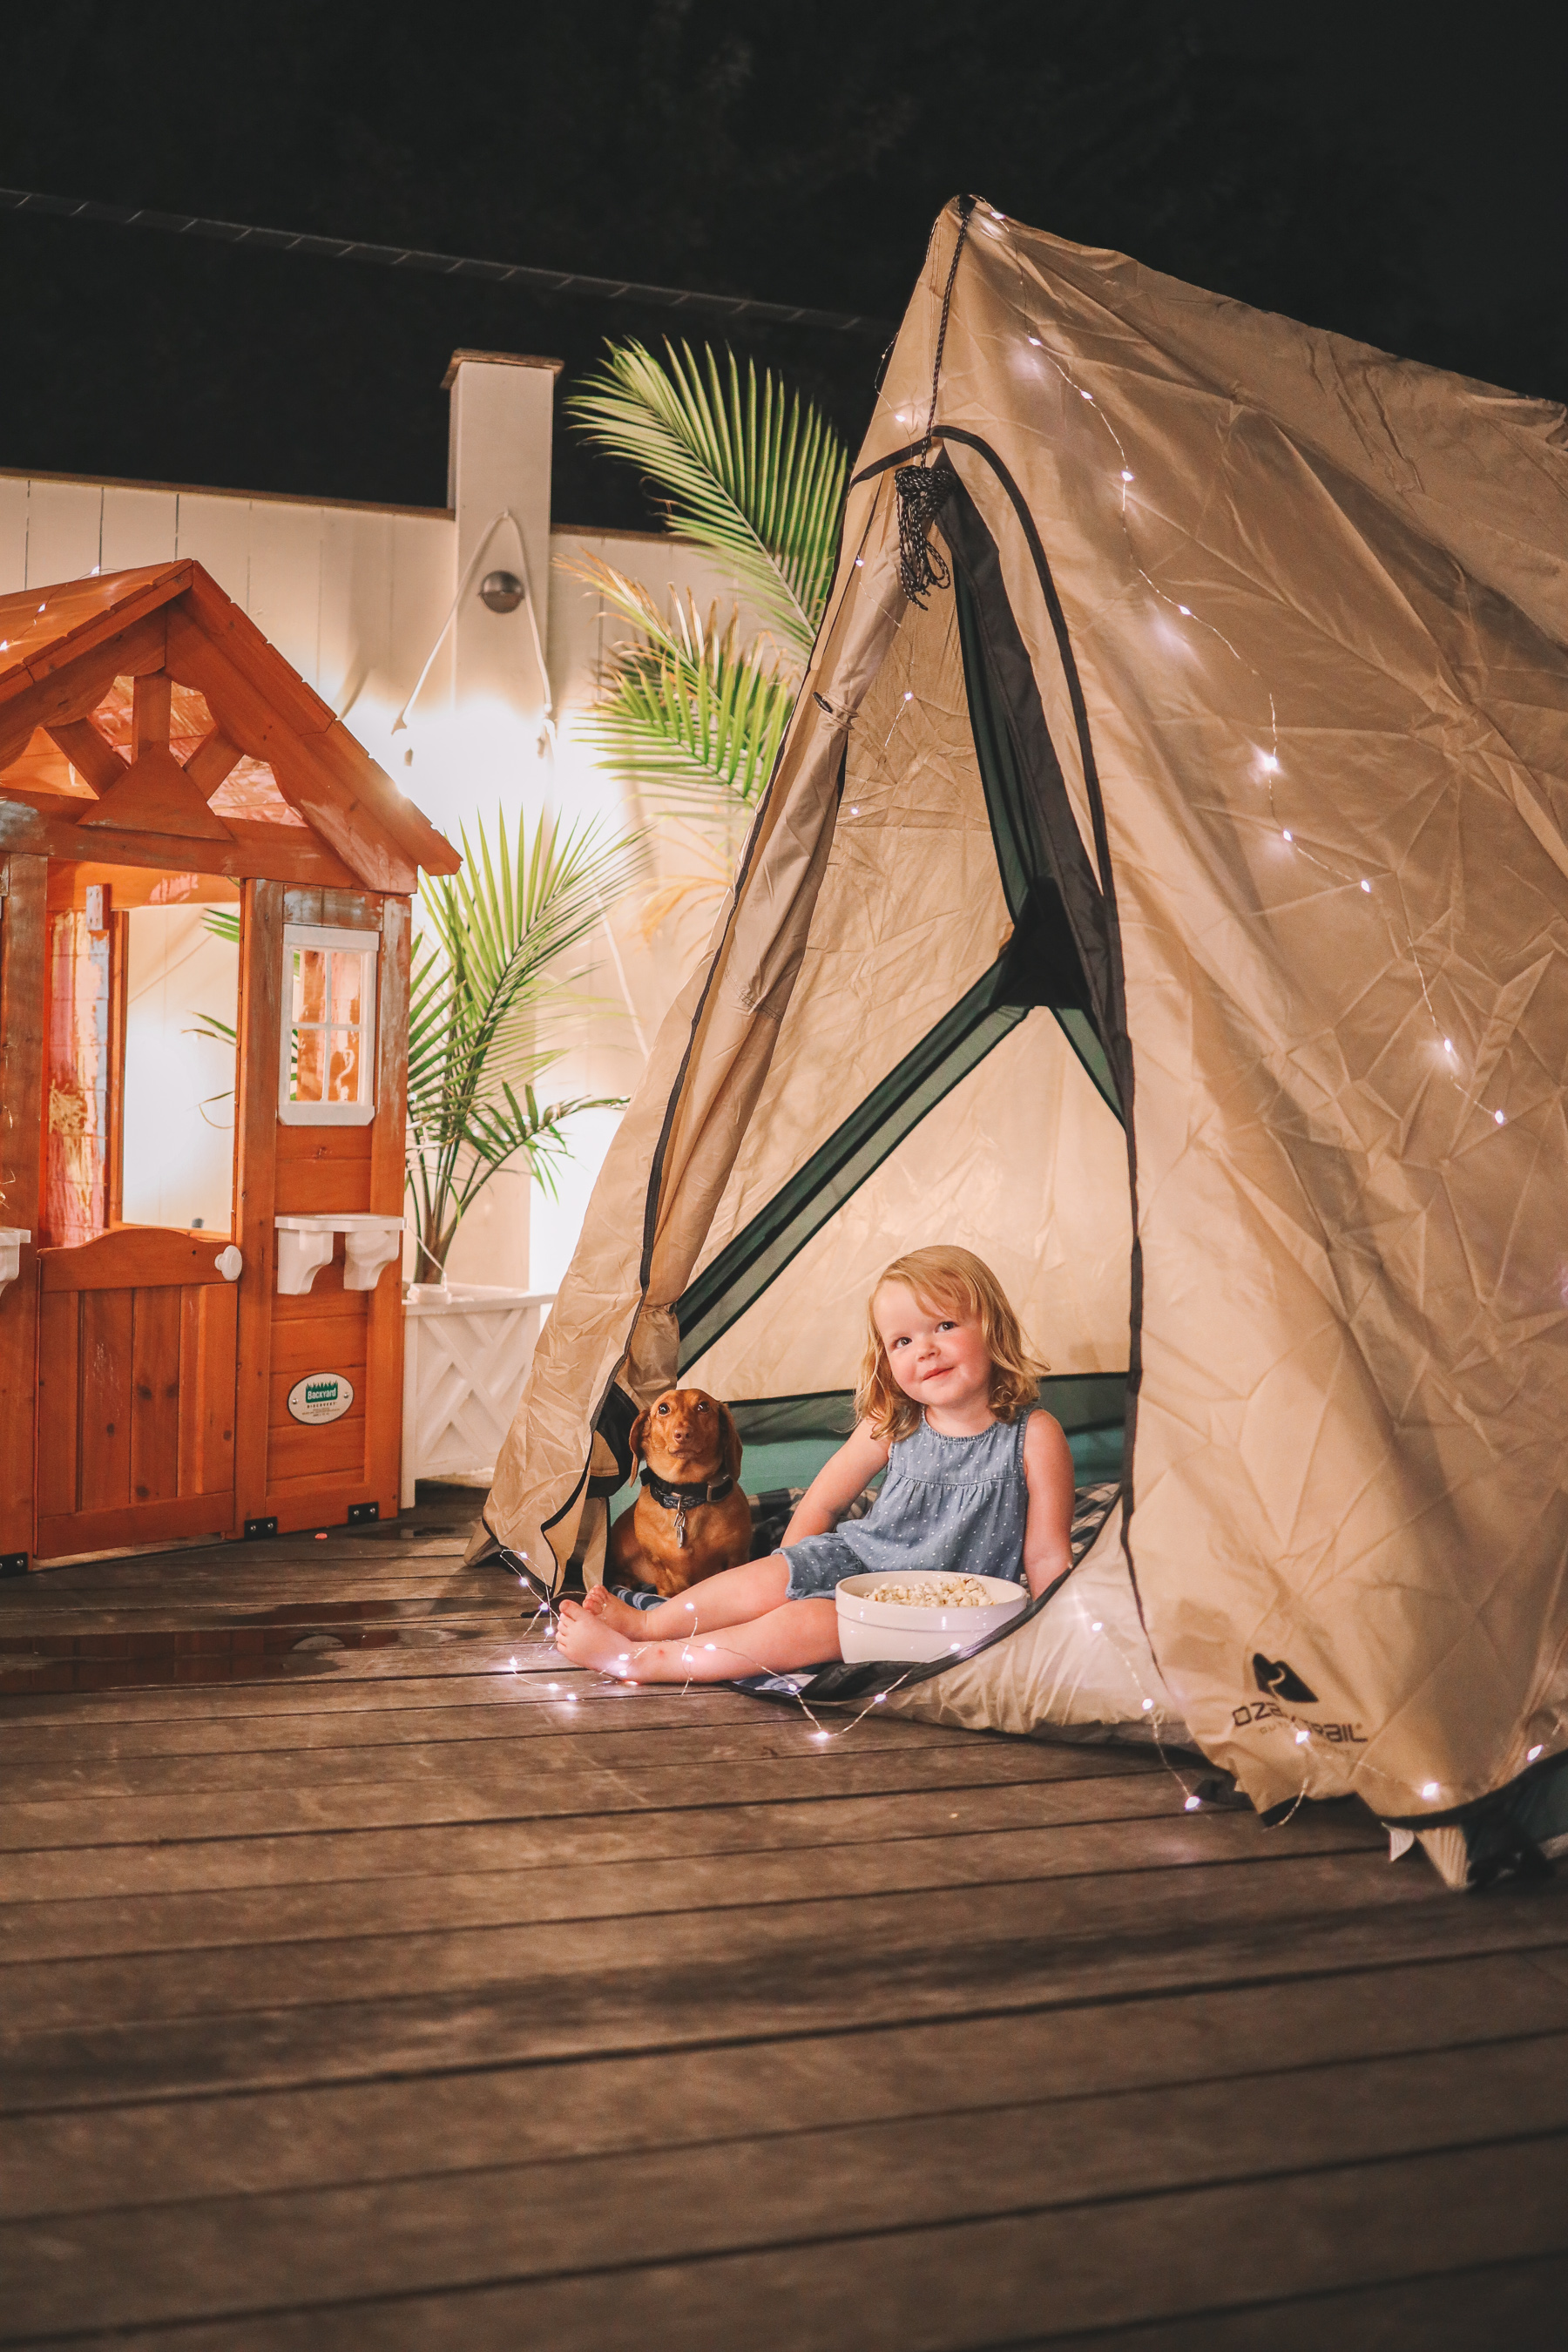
(464, 1357)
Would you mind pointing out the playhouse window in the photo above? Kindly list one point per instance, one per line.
(327, 1076)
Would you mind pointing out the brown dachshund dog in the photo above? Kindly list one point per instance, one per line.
(691, 1518)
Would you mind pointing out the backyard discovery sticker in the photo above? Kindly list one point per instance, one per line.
(320, 1396)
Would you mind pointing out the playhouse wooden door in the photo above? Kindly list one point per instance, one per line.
(136, 1390)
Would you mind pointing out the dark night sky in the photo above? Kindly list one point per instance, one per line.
(1390, 171)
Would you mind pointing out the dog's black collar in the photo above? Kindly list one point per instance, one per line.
(685, 1499)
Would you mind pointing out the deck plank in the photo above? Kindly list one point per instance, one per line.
(938, 2287)
(522, 1841)
(612, 2100)
(639, 1885)
(792, 2188)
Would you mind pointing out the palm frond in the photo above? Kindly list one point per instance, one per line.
(481, 976)
(685, 713)
(753, 474)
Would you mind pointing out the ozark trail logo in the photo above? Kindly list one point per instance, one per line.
(1281, 1688)
(1277, 1680)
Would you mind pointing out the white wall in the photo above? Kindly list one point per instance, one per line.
(356, 597)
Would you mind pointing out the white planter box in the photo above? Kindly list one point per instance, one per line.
(465, 1352)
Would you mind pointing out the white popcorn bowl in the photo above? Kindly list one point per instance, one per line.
(869, 1630)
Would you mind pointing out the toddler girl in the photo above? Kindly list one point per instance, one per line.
(979, 1480)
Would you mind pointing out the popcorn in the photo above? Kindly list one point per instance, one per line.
(935, 1592)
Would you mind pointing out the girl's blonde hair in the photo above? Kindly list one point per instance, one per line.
(962, 1285)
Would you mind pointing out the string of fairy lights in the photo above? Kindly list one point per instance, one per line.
(619, 1676)
(547, 1612)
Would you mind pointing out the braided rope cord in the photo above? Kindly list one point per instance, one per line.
(920, 491)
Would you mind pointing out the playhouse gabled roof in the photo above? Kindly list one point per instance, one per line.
(145, 719)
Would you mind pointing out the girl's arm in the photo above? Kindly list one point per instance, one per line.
(838, 1483)
(1047, 1531)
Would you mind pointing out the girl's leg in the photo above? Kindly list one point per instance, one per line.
(797, 1634)
(732, 1597)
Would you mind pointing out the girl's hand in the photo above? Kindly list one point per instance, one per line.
(1047, 1531)
(838, 1483)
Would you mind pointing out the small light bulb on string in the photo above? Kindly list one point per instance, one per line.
(1148, 1707)
(1366, 886)
(859, 563)
(1127, 474)
(900, 708)
(1431, 1789)
(1268, 763)
(1287, 835)
(1501, 1117)
(1302, 1738)
(1185, 611)
(1192, 1805)
(1533, 1753)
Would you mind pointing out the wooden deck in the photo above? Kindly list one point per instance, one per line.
(361, 1991)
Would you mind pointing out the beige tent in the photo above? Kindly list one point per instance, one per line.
(1173, 906)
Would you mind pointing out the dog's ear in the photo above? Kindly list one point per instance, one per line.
(732, 1446)
(638, 1438)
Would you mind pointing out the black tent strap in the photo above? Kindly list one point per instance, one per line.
(525, 276)
(1081, 1400)
(1022, 855)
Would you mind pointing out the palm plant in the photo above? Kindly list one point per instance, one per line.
(482, 977)
(688, 713)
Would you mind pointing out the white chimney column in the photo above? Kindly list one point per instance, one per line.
(498, 483)
(496, 754)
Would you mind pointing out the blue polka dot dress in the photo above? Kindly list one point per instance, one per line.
(949, 1505)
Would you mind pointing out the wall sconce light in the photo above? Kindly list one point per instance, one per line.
(502, 591)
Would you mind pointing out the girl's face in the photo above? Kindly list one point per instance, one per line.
(938, 1357)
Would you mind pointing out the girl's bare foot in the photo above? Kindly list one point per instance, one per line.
(588, 1642)
(601, 1602)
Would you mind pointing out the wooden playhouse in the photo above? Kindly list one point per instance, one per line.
(175, 802)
